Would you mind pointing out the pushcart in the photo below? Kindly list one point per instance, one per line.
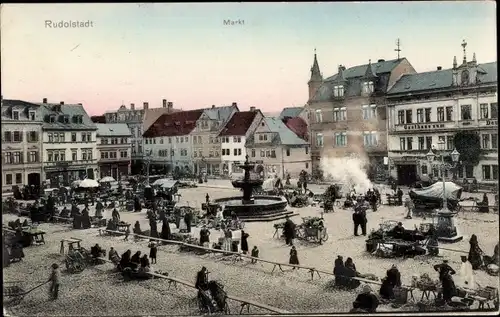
(13, 294)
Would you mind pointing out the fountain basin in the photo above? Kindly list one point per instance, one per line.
(262, 208)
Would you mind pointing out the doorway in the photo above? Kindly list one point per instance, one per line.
(407, 174)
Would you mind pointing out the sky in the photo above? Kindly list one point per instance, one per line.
(136, 53)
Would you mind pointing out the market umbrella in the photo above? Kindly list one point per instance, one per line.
(88, 183)
(107, 179)
(161, 181)
(76, 183)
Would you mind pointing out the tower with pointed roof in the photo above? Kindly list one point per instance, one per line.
(316, 78)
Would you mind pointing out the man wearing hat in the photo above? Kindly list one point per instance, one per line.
(54, 278)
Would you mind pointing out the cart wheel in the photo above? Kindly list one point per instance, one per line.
(325, 237)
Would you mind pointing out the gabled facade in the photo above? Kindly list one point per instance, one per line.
(429, 108)
(69, 143)
(21, 144)
(168, 143)
(278, 150)
(206, 145)
(348, 111)
(114, 150)
(233, 137)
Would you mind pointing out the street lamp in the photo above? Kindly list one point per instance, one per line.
(431, 156)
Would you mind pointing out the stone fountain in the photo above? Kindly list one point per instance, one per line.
(253, 208)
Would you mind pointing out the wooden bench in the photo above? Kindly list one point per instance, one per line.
(247, 303)
(71, 244)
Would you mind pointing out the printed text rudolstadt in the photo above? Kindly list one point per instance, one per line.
(61, 24)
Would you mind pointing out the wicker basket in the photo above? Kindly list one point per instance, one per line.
(488, 292)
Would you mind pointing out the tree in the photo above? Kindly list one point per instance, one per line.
(468, 143)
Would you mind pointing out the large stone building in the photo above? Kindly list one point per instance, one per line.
(114, 150)
(233, 137)
(138, 121)
(278, 150)
(21, 144)
(429, 108)
(168, 143)
(206, 145)
(348, 111)
(69, 143)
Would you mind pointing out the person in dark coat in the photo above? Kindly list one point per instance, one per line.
(359, 218)
(77, 221)
(86, 223)
(373, 201)
(443, 269)
(399, 194)
(483, 206)
(294, 258)
(74, 210)
(204, 235)
(135, 260)
(392, 279)
(289, 231)
(153, 250)
(188, 217)
(202, 279)
(115, 215)
(154, 228)
(165, 230)
(339, 272)
(125, 260)
(244, 242)
(475, 253)
(144, 261)
(98, 209)
(137, 228)
(350, 264)
(366, 301)
(137, 204)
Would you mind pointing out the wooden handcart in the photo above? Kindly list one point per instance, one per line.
(14, 294)
(312, 230)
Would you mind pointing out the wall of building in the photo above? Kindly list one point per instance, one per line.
(277, 160)
(114, 167)
(25, 147)
(161, 147)
(237, 151)
(437, 130)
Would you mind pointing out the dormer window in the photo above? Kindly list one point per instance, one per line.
(338, 91)
(32, 115)
(465, 77)
(66, 119)
(52, 118)
(15, 115)
(77, 119)
(368, 87)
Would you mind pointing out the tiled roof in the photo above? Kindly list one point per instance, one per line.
(285, 136)
(298, 126)
(352, 79)
(239, 123)
(220, 113)
(440, 79)
(113, 129)
(151, 115)
(360, 70)
(8, 105)
(174, 124)
(70, 110)
(291, 112)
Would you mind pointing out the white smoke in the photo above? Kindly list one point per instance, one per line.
(348, 171)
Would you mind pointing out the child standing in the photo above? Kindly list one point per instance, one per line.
(152, 252)
(294, 259)
(255, 254)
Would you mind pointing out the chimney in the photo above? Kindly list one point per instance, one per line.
(62, 103)
(132, 106)
(381, 60)
(170, 105)
(146, 105)
(164, 103)
(234, 104)
(439, 68)
(213, 106)
(252, 108)
(44, 100)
